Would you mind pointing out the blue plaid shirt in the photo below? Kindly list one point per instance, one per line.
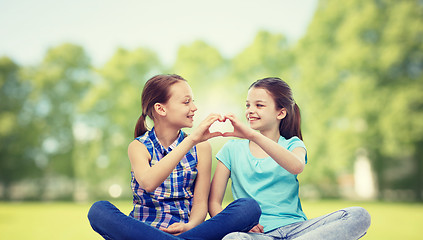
(171, 202)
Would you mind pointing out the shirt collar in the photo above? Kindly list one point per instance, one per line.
(160, 147)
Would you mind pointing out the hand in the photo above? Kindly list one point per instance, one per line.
(176, 228)
(240, 129)
(257, 229)
(202, 132)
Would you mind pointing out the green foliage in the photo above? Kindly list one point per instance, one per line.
(199, 63)
(111, 109)
(361, 80)
(356, 75)
(16, 160)
(268, 55)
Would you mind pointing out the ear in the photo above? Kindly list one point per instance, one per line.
(160, 109)
(282, 114)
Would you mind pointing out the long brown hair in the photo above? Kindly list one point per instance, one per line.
(156, 90)
(282, 95)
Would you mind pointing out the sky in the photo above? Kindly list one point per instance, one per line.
(29, 27)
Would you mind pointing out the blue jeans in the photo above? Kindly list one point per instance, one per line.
(348, 223)
(239, 216)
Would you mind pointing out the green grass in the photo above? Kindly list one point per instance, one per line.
(68, 220)
(389, 220)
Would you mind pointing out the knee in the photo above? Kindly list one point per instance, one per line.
(361, 216)
(236, 236)
(96, 210)
(231, 236)
(249, 204)
(249, 207)
(365, 216)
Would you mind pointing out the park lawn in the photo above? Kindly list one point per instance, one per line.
(389, 220)
(68, 220)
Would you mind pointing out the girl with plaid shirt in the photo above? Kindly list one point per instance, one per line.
(171, 174)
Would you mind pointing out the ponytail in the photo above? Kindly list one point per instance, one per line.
(297, 122)
(140, 127)
(290, 126)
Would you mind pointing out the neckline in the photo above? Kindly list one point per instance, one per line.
(171, 146)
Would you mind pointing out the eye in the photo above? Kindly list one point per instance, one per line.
(247, 105)
(188, 101)
(260, 105)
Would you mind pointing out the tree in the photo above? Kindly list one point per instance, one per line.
(269, 55)
(360, 67)
(57, 85)
(111, 110)
(205, 69)
(16, 162)
(199, 63)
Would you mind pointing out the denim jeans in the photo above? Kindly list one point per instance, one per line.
(239, 216)
(348, 223)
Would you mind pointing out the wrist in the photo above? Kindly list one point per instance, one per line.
(190, 225)
(254, 136)
(191, 139)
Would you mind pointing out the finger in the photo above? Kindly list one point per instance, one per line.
(172, 227)
(218, 116)
(170, 230)
(260, 227)
(229, 134)
(229, 114)
(211, 119)
(231, 118)
(222, 118)
(215, 134)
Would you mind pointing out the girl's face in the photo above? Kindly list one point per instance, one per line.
(180, 107)
(261, 110)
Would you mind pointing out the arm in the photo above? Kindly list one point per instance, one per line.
(202, 185)
(293, 162)
(218, 188)
(201, 192)
(150, 177)
(217, 192)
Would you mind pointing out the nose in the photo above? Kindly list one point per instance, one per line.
(193, 107)
(250, 109)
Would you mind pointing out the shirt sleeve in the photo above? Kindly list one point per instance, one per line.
(224, 155)
(295, 142)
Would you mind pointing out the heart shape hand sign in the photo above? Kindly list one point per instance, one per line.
(229, 126)
(222, 126)
(216, 125)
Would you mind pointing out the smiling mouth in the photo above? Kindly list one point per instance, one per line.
(251, 119)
